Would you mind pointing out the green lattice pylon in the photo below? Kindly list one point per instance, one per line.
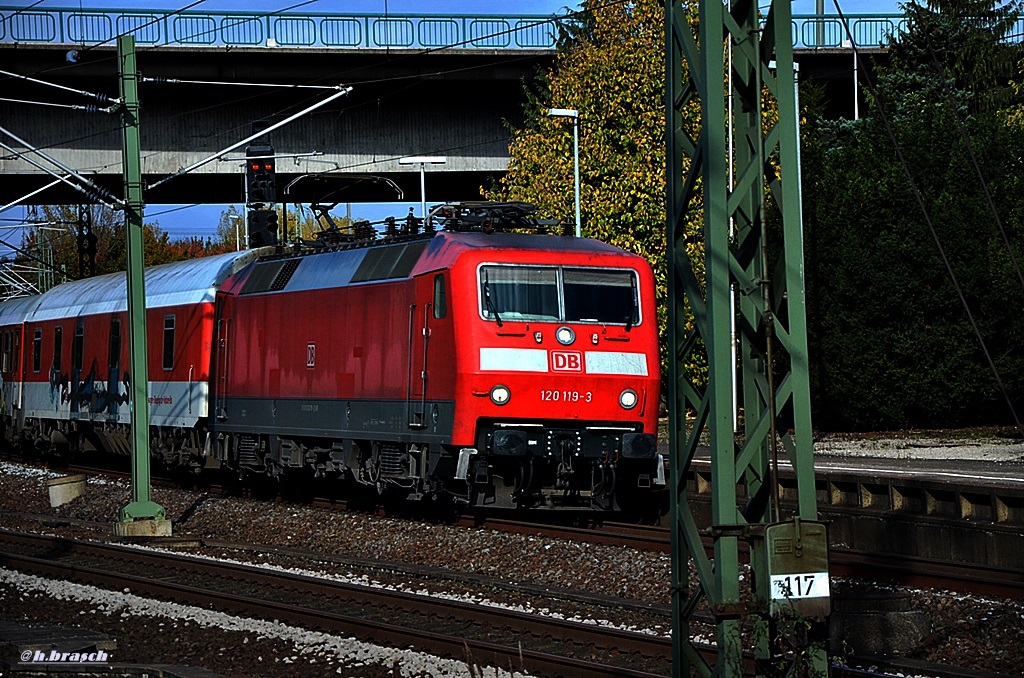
(770, 319)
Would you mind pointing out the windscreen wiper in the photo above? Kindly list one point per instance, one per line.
(487, 300)
(632, 312)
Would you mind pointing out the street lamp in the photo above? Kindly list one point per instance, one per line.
(236, 218)
(423, 161)
(575, 115)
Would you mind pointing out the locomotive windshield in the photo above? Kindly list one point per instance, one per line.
(557, 294)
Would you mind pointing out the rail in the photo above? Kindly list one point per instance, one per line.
(533, 643)
(86, 26)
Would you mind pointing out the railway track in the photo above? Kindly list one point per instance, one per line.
(494, 636)
(857, 564)
(844, 562)
(497, 636)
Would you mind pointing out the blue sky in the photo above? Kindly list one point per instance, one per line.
(201, 220)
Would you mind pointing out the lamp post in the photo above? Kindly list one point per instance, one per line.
(236, 218)
(423, 161)
(575, 115)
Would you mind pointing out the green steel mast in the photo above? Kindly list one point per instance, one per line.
(142, 516)
(789, 582)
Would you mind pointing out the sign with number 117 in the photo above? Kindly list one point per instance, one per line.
(808, 585)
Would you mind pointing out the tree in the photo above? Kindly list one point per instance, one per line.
(614, 77)
(54, 248)
(611, 69)
(967, 41)
(891, 342)
(1013, 114)
(232, 233)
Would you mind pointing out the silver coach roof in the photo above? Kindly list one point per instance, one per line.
(14, 311)
(181, 282)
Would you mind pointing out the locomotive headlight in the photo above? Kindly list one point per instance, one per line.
(500, 395)
(627, 399)
(565, 336)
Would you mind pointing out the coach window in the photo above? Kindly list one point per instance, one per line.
(58, 348)
(440, 301)
(6, 365)
(168, 342)
(114, 350)
(78, 347)
(37, 350)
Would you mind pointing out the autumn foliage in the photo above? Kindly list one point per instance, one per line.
(612, 70)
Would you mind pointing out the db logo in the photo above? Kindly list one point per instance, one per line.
(566, 361)
(310, 355)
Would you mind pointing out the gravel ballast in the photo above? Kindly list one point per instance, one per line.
(966, 632)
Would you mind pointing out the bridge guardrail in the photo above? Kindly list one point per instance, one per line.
(356, 31)
(868, 30)
(238, 29)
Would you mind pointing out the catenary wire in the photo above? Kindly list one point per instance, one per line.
(418, 53)
(90, 95)
(235, 101)
(88, 108)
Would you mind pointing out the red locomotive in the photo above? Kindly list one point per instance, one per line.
(497, 367)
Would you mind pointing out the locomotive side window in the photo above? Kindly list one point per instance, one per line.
(440, 301)
(37, 350)
(519, 293)
(58, 348)
(598, 295)
(168, 342)
(77, 347)
(114, 350)
(6, 366)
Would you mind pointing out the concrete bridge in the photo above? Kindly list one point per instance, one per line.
(412, 95)
(421, 85)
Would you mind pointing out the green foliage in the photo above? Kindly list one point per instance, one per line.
(611, 68)
(891, 342)
(230, 230)
(965, 40)
(1013, 114)
(58, 242)
(231, 227)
